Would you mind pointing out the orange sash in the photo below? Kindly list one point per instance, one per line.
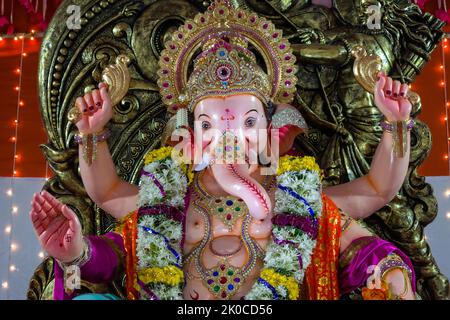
(128, 229)
(322, 273)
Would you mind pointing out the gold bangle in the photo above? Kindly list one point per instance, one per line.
(398, 130)
(347, 223)
(89, 142)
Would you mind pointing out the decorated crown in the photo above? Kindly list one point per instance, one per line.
(226, 65)
(223, 70)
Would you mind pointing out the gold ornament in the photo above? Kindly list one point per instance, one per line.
(117, 76)
(366, 68)
(226, 66)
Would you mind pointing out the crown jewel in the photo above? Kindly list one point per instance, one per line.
(223, 70)
(226, 66)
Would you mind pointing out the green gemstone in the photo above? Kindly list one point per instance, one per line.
(230, 272)
(216, 289)
(220, 209)
(238, 209)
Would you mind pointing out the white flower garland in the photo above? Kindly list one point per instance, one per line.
(152, 250)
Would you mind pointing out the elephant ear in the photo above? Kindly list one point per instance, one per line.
(290, 123)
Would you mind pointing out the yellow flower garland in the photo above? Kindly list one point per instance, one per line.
(293, 163)
(169, 275)
(276, 279)
(158, 154)
(163, 153)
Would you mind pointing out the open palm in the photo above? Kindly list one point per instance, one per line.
(57, 227)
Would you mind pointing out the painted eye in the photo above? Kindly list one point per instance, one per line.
(250, 122)
(206, 125)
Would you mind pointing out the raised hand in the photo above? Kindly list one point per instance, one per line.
(96, 109)
(390, 98)
(57, 227)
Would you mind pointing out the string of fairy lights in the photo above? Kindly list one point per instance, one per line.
(444, 48)
(16, 157)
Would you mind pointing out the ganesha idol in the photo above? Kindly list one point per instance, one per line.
(226, 208)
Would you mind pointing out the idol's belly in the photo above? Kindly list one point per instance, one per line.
(230, 249)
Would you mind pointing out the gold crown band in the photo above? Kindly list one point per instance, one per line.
(226, 66)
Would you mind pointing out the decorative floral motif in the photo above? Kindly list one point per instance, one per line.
(288, 254)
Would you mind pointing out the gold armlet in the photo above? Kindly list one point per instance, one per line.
(398, 129)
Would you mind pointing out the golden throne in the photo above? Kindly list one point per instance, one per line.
(343, 120)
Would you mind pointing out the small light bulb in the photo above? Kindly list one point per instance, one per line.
(9, 192)
(32, 38)
(13, 246)
(24, 54)
(448, 215)
(5, 285)
(15, 39)
(21, 103)
(447, 193)
(12, 268)
(8, 229)
(441, 67)
(446, 157)
(442, 83)
(1, 38)
(16, 88)
(41, 255)
(21, 37)
(15, 209)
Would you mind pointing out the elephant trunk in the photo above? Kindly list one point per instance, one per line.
(235, 179)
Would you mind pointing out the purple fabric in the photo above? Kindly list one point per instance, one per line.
(355, 275)
(100, 268)
(303, 223)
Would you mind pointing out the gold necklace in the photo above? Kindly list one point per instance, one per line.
(223, 280)
(227, 208)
